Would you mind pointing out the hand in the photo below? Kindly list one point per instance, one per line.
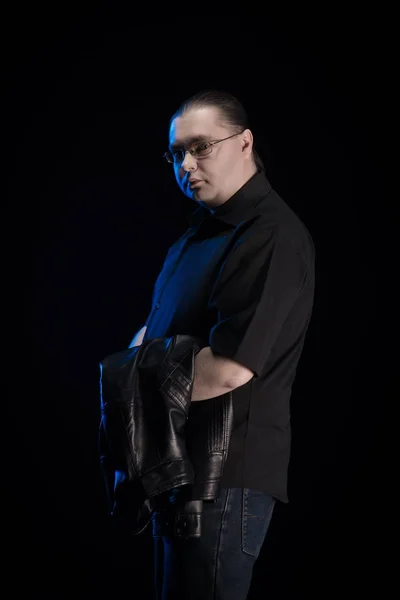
(138, 339)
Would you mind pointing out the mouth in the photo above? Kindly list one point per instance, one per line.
(194, 183)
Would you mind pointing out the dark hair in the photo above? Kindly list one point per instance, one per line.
(231, 110)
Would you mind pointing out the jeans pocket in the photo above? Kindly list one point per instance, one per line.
(257, 510)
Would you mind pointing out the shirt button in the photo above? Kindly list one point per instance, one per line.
(157, 305)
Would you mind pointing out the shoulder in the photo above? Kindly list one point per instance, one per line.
(275, 227)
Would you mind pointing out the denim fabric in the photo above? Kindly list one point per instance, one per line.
(218, 565)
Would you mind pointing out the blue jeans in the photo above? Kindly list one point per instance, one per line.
(219, 564)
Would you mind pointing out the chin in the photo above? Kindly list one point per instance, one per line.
(202, 195)
(203, 199)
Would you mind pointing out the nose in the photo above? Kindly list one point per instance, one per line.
(189, 162)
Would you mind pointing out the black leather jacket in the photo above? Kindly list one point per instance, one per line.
(157, 449)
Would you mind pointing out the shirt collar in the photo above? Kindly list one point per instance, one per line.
(239, 205)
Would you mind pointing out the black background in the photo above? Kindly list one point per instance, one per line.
(89, 92)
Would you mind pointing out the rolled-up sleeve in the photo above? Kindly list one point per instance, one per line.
(256, 289)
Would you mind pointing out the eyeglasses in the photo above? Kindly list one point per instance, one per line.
(197, 150)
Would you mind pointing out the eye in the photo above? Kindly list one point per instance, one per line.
(178, 155)
(201, 149)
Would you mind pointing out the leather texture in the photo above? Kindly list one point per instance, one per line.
(156, 447)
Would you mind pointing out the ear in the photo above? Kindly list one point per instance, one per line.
(247, 142)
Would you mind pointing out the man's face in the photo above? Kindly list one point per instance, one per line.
(214, 178)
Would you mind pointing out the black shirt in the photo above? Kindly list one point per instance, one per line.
(242, 278)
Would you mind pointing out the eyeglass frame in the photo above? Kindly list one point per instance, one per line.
(195, 144)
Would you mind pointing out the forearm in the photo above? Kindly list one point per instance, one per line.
(213, 375)
(210, 376)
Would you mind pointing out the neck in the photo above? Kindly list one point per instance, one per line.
(248, 172)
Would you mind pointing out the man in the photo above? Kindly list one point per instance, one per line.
(241, 277)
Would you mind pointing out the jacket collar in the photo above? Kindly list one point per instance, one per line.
(234, 210)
